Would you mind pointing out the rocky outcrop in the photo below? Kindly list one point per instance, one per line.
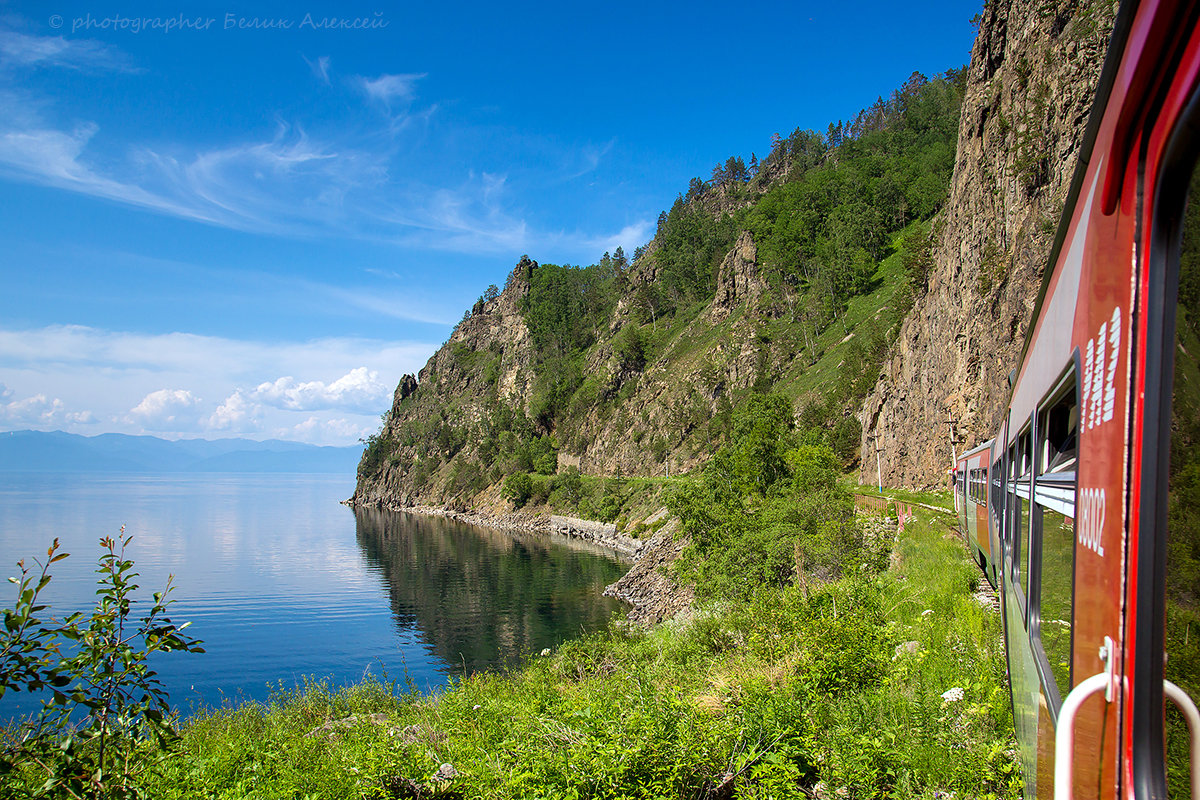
(648, 586)
(1033, 72)
(738, 280)
(488, 362)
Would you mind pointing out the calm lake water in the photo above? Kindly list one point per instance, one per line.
(282, 582)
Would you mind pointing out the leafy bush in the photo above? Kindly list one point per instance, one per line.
(769, 510)
(106, 722)
(518, 487)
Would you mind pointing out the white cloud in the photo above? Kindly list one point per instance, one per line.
(21, 49)
(236, 413)
(629, 237)
(320, 68)
(387, 88)
(39, 411)
(120, 378)
(316, 431)
(167, 410)
(359, 390)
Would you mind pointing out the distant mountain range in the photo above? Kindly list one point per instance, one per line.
(38, 451)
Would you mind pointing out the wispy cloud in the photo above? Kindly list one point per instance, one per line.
(288, 183)
(24, 50)
(53, 157)
(358, 183)
(74, 345)
(320, 68)
(387, 89)
(589, 158)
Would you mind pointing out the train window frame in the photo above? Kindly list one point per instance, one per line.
(1173, 180)
(1021, 471)
(1059, 478)
(996, 499)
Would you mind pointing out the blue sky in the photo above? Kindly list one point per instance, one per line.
(243, 221)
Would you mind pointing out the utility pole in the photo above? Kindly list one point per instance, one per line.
(878, 463)
(953, 450)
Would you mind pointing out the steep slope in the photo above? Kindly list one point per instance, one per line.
(1033, 71)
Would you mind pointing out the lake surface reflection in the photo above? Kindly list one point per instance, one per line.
(282, 582)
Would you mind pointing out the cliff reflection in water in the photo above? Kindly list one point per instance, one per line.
(483, 598)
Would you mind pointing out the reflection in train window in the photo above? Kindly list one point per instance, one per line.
(1054, 531)
(1057, 577)
(1060, 431)
(1183, 504)
(1009, 511)
(1024, 475)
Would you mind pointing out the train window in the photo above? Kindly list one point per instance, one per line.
(1010, 498)
(1183, 499)
(1054, 533)
(997, 498)
(1055, 612)
(1059, 433)
(1024, 480)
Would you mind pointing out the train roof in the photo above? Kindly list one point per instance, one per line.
(978, 448)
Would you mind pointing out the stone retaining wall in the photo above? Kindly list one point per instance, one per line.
(603, 533)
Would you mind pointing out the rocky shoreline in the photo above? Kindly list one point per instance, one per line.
(652, 595)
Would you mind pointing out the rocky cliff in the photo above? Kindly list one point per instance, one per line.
(1033, 71)
(650, 424)
(814, 311)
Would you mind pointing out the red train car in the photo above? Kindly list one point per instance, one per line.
(1095, 454)
(970, 503)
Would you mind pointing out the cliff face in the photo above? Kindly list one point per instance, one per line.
(1033, 72)
(488, 365)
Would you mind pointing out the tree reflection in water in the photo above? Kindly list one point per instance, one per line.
(482, 598)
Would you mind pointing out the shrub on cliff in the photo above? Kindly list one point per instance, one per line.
(768, 511)
(518, 487)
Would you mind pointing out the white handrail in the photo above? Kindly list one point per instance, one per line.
(1188, 709)
(1064, 737)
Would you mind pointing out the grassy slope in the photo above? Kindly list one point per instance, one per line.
(790, 691)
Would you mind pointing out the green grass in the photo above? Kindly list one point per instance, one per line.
(794, 688)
